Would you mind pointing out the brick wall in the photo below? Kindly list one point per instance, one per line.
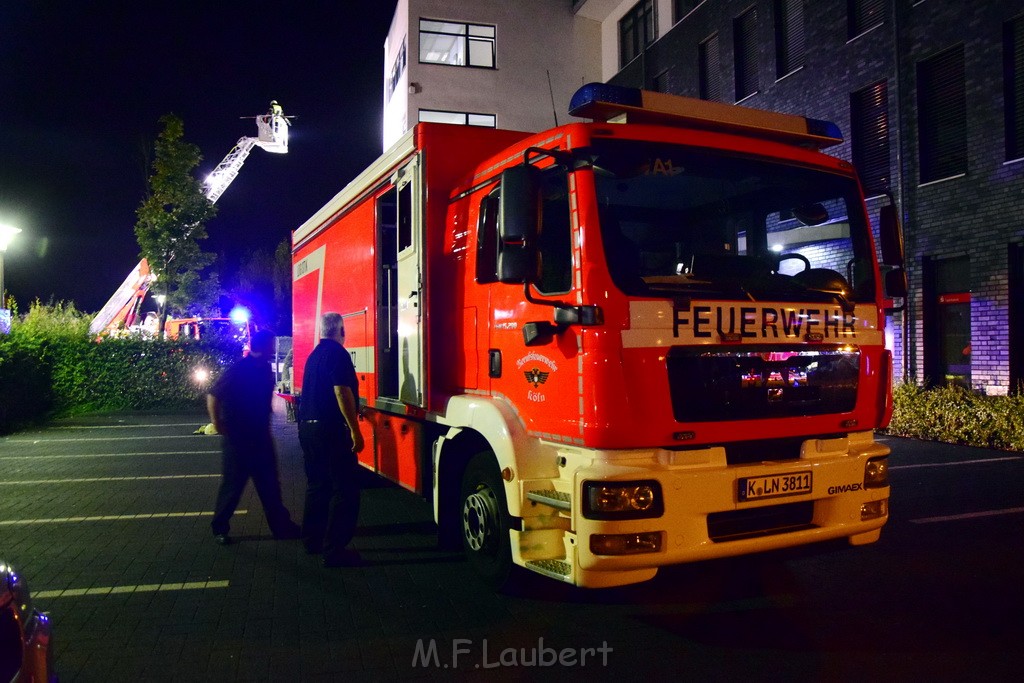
(977, 214)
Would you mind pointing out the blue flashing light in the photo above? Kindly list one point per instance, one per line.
(825, 129)
(239, 315)
(592, 93)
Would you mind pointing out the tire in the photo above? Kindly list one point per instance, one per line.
(485, 522)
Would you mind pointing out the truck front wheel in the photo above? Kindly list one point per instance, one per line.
(485, 521)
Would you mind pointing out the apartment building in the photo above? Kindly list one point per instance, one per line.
(511, 65)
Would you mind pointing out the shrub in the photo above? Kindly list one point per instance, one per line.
(956, 415)
(50, 366)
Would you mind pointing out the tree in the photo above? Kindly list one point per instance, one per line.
(263, 285)
(171, 219)
(283, 286)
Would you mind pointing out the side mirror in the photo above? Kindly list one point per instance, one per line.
(519, 225)
(896, 283)
(891, 236)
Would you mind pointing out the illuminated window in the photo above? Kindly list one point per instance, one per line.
(456, 44)
(637, 29)
(869, 137)
(458, 118)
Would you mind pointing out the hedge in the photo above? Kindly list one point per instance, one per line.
(953, 414)
(50, 367)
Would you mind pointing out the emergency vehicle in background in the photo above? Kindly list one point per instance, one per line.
(653, 338)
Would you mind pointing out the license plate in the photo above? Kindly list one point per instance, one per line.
(774, 486)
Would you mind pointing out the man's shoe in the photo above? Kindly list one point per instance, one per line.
(343, 558)
(222, 539)
(289, 533)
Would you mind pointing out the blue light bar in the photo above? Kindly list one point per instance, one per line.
(823, 128)
(593, 93)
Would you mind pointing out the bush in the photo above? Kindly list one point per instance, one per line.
(49, 366)
(956, 415)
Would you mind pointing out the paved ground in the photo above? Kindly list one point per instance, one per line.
(108, 517)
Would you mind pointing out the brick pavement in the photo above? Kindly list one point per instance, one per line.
(120, 553)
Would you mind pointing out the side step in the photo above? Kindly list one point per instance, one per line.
(555, 569)
(556, 499)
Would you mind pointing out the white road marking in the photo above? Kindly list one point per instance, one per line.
(953, 464)
(196, 424)
(111, 518)
(102, 455)
(969, 515)
(106, 438)
(140, 588)
(93, 479)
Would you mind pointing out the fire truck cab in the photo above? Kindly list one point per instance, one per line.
(613, 346)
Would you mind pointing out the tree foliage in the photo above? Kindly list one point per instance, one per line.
(171, 219)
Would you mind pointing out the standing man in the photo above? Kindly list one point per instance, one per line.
(329, 434)
(239, 407)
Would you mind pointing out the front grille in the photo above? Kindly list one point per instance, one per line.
(715, 384)
(764, 521)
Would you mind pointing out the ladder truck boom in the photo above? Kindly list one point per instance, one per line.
(272, 136)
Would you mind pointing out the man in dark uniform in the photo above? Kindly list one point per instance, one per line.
(239, 407)
(329, 434)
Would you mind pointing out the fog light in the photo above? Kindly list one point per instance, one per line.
(876, 473)
(625, 544)
(622, 499)
(874, 509)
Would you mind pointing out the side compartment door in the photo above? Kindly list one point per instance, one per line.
(409, 290)
(307, 304)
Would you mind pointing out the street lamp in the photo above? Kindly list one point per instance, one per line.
(7, 233)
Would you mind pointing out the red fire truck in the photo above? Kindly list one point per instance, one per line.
(652, 338)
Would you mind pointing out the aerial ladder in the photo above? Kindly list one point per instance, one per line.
(122, 309)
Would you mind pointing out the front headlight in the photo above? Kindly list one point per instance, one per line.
(622, 499)
(876, 473)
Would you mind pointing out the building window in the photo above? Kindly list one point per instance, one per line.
(947, 323)
(942, 115)
(869, 124)
(637, 29)
(863, 15)
(1013, 78)
(660, 83)
(710, 86)
(680, 8)
(789, 36)
(744, 29)
(458, 118)
(454, 44)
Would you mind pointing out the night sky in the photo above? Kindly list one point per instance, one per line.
(85, 83)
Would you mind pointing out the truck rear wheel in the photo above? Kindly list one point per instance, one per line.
(485, 521)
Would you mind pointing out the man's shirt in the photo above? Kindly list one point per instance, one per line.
(327, 367)
(244, 393)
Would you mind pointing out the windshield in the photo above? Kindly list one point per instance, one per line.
(713, 224)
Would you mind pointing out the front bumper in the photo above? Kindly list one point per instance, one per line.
(704, 516)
